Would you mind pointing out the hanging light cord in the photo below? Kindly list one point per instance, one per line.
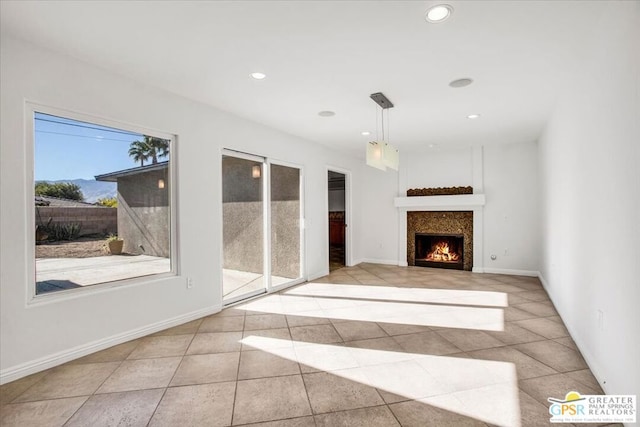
(377, 134)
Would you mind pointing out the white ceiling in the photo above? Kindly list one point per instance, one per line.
(331, 55)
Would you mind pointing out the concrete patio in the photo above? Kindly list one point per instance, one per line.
(56, 274)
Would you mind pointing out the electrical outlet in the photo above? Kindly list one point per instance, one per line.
(189, 283)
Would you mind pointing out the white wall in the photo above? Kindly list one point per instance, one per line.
(590, 181)
(507, 175)
(35, 336)
(438, 168)
(378, 224)
(511, 215)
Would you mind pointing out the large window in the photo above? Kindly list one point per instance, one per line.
(102, 202)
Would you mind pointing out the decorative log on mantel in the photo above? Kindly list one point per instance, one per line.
(439, 191)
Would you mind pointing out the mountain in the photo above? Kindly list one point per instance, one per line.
(93, 190)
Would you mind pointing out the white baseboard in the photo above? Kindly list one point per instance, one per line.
(511, 272)
(588, 358)
(545, 284)
(318, 275)
(378, 261)
(16, 372)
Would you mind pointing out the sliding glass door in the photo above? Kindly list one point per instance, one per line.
(243, 225)
(285, 223)
(262, 233)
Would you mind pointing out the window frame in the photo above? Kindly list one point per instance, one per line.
(31, 108)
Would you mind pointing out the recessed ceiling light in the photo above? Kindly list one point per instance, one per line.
(438, 13)
(473, 116)
(326, 113)
(461, 82)
(258, 76)
(365, 133)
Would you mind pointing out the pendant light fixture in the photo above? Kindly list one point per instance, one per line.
(380, 154)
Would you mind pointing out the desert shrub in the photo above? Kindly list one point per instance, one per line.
(55, 232)
(110, 202)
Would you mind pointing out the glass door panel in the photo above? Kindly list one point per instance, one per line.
(285, 219)
(243, 217)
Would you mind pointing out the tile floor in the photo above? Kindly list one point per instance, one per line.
(369, 345)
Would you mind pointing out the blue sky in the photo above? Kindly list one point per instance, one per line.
(69, 149)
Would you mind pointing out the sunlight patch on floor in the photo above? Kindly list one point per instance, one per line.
(427, 307)
(389, 293)
(482, 389)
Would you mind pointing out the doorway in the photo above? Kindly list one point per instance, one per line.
(336, 184)
(261, 222)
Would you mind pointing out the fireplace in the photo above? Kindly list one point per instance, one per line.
(439, 251)
(451, 211)
(454, 228)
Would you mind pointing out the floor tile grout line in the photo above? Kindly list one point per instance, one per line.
(304, 384)
(153, 414)
(28, 388)
(235, 390)
(384, 404)
(45, 400)
(546, 364)
(69, 365)
(98, 388)
(76, 411)
(181, 361)
(306, 393)
(392, 413)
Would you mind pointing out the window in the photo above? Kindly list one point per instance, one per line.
(102, 201)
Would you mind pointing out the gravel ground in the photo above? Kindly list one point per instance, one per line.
(83, 247)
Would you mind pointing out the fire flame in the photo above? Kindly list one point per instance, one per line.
(442, 253)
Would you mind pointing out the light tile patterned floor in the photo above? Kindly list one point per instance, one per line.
(369, 345)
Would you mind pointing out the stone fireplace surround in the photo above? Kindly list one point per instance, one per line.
(453, 203)
(450, 222)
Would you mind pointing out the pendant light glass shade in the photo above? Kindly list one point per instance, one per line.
(375, 155)
(390, 156)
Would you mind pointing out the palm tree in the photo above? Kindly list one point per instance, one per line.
(139, 150)
(156, 148)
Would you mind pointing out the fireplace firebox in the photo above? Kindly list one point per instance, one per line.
(439, 251)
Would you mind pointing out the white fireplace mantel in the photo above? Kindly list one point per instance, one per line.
(459, 202)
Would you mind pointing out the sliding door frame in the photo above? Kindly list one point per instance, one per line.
(265, 248)
(266, 163)
(302, 253)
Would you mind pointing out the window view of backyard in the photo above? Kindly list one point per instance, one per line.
(102, 204)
